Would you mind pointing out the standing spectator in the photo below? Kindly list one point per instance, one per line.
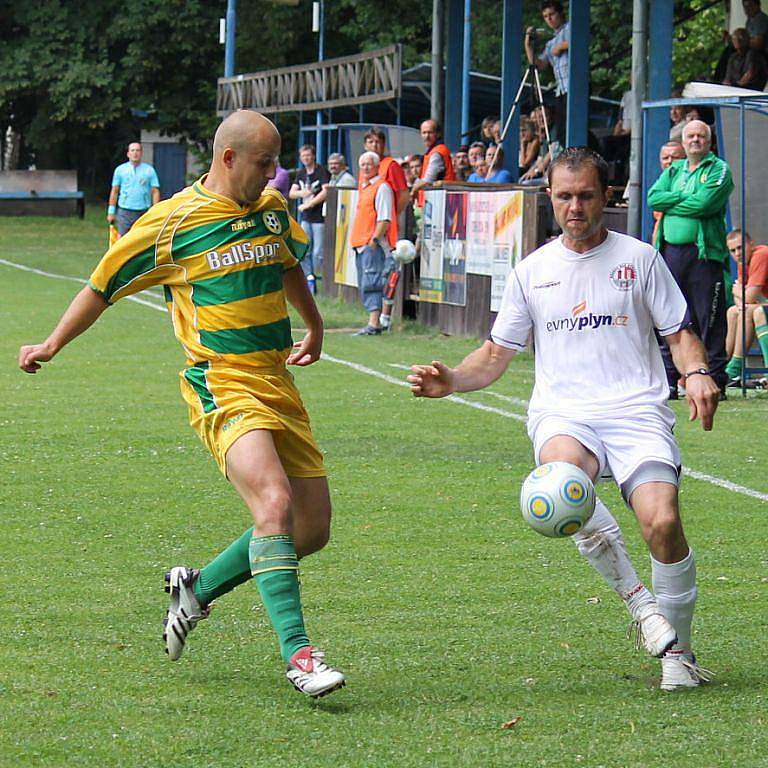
(310, 187)
(413, 169)
(692, 195)
(555, 53)
(669, 152)
(340, 175)
(494, 159)
(757, 26)
(536, 175)
(392, 173)
(747, 67)
(529, 145)
(461, 166)
(281, 182)
(486, 129)
(756, 295)
(135, 188)
(677, 114)
(370, 239)
(437, 165)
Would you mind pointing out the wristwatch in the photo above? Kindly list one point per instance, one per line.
(702, 371)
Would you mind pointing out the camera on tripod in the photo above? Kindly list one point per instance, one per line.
(532, 33)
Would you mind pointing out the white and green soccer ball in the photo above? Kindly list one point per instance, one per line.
(557, 499)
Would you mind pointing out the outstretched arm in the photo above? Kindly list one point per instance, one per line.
(306, 351)
(81, 314)
(703, 394)
(478, 369)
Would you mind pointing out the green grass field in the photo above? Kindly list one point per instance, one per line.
(449, 616)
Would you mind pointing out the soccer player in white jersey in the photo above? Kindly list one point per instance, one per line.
(592, 300)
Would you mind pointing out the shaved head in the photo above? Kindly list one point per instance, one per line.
(244, 129)
(245, 155)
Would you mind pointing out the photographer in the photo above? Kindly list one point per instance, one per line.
(555, 53)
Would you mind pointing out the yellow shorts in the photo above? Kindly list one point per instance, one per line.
(226, 402)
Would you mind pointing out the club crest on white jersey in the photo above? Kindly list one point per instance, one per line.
(623, 277)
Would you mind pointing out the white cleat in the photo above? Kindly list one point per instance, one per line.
(679, 670)
(653, 631)
(184, 611)
(309, 673)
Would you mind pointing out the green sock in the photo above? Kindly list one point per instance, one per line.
(762, 340)
(275, 569)
(735, 367)
(226, 571)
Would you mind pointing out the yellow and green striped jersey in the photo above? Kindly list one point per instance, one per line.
(221, 267)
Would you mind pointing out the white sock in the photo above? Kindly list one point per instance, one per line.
(675, 588)
(601, 542)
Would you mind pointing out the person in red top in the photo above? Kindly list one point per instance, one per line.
(756, 301)
(437, 164)
(370, 239)
(391, 171)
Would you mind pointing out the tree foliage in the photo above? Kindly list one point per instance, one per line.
(81, 77)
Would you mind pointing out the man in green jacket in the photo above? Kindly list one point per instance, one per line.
(691, 195)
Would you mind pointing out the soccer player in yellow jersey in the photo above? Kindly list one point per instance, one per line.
(227, 254)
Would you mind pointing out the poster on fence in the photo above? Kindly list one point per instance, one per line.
(508, 239)
(454, 249)
(480, 213)
(431, 275)
(344, 268)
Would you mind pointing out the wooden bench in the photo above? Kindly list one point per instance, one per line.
(40, 193)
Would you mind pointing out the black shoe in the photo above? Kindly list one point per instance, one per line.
(369, 330)
(734, 383)
(673, 395)
(723, 395)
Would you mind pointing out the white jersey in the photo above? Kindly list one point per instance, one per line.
(593, 316)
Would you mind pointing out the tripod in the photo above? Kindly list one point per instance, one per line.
(537, 102)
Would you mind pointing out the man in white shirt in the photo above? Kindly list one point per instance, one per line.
(592, 299)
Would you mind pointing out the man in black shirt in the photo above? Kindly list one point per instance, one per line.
(310, 188)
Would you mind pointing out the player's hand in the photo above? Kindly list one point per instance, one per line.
(434, 380)
(306, 351)
(31, 355)
(111, 218)
(703, 396)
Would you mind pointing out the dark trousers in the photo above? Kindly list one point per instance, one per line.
(703, 285)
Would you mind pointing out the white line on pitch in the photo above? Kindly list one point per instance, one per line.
(726, 484)
(718, 481)
(80, 280)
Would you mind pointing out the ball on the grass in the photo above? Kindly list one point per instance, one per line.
(557, 499)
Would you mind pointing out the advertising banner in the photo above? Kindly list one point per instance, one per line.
(508, 240)
(431, 275)
(454, 249)
(345, 271)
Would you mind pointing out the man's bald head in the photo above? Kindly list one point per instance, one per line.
(244, 129)
(245, 152)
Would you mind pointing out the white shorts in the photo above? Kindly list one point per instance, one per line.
(620, 446)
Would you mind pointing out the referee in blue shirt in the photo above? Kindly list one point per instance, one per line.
(555, 52)
(135, 188)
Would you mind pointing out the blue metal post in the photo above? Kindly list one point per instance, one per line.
(511, 73)
(320, 140)
(453, 74)
(229, 40)
(577, 121)
(466, 68)
(661, 20)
